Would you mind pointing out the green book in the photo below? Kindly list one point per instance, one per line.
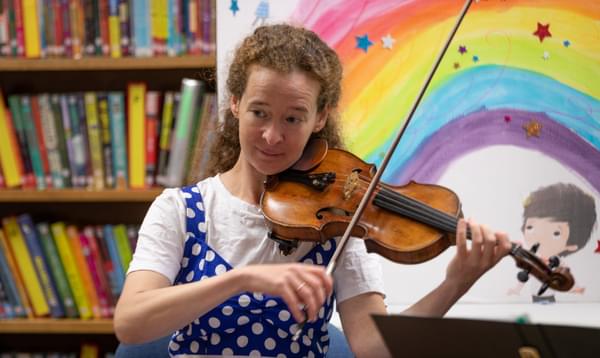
(56, 270)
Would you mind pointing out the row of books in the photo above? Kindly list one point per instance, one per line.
(115, 28)
(103, 140)
(60, 270)
(87, 350)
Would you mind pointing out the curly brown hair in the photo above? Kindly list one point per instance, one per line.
(282, 48)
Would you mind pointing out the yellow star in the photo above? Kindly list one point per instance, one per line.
(532, 128)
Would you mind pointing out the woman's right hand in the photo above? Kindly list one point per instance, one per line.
(299, 285)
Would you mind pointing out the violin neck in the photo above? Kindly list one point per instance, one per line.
(413, 209)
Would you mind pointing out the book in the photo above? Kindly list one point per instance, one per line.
(28, 178)
(95, 139)
(113, 252)
(123, 247)
(51, 140)
(35, 112)
(9, 281)
(192, 92)
(31, 28)
(84, 272)
(56, 270)
(41, 265)
(107, 148)
(206, 135)
(24, 262)
(95, 274)
(152, 123)
(116, 107)
(69, 263)
(136, 95)
(164, 142)
(10, 153)
(18, 280)
(31, 136)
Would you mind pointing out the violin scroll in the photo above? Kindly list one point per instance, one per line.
(552, 275)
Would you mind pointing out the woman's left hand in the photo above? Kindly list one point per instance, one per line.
(487, 248)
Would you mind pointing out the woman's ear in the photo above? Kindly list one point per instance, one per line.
(321, 120)
(234, 105)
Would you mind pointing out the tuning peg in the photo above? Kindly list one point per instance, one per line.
(543, 288)
(535, 247)
(553, 262)
(523, 276)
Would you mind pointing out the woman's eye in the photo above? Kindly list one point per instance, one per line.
(556, 233)
(293, 119)
(258, 113)
(529, 227)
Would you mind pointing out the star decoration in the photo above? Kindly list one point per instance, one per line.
(456, 65)
(388, 41)
(566, 43)
(475, 58)
(234, 7)
(542, 31)
(546, 55)
(363, 42)
(507, 118)
(462, 49)
(532, 128)
(598, 248)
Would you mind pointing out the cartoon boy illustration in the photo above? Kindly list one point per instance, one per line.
(560, 218)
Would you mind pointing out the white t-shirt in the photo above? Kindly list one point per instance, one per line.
(237, 231)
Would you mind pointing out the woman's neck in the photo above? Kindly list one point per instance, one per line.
(244, 182)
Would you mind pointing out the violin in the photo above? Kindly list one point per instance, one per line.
(317, 197)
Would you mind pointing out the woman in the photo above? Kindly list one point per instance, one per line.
(204, 266)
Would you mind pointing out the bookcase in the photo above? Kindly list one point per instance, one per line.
(84, 206)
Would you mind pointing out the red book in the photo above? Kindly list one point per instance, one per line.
(37, 121)
(94, 264)
(152, 110)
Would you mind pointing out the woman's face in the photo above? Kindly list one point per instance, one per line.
(277, 114)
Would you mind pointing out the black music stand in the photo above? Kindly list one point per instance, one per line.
(407, 336)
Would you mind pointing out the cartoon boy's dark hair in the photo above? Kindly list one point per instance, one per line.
(564, 202)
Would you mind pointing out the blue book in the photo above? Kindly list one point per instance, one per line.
(8, 283)
(113, 252)
(142, 28)
(41, 265)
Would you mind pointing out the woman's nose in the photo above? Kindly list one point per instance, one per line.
(273, 133)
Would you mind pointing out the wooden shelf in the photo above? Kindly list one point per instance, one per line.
(78, 195)
(56, 326)
(106, 63)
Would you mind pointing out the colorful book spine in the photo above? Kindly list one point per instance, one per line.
(107, 148)
(25, 265)
(102, 15)
(78, 139)
(116, 106)
(70, 265)
(32, 142)
(19, 28)
(84, 272)
(50, 134)
(76, 25)
(57, 271)
(164, 142)
(106, 261)
(35, 112)
(69, 138)
(142, 28)
(114, 29)
(136, 94)
(113, 251)
(31, 28)
(123, 247)
(159, 21)
(192, 92)
(66, 26)
(152, 123)
(81, 112)
(124, 27)
(10, 152)
(95, 139)
(59, 46)
(65, 171)
(204, 139)
(41, 265)
(9, 281)
(99, 289)
(18, 278)
(28, 178)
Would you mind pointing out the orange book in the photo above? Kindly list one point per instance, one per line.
(20, 252)
(86, 277)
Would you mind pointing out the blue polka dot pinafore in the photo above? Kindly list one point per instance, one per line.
(249, 324)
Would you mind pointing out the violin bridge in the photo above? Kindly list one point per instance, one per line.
(350, 185)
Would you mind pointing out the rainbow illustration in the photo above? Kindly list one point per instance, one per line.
(522, 73)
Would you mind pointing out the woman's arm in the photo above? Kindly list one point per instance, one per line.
(359, 327)
(150, 307)
(467, 266)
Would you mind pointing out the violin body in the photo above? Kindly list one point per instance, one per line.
(318, 203)
(316, 199)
